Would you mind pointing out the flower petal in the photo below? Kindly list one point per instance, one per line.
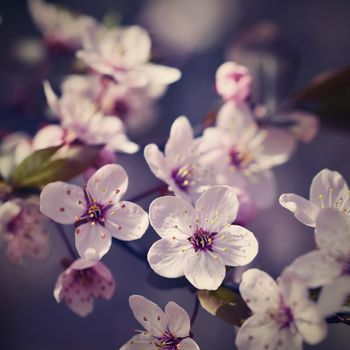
(178, 320)
(156, 162)
(92, 241)
(236, 245)
(217, 207)
(8, 211)
(304, 210)
(104, 284)
(189, 344)
(149, 315)
(62, 202)
(108, 184)
(205, 270)
(259, 291)
(171, 216)
(142, 341)
(48, 136)
(167, 257)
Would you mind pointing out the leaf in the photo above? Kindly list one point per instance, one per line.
(225, 304)
(54, 164)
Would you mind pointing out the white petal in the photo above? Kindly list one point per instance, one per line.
(188, 344)
(156, 162)
(170, 216)
(143, 341)
(304, 210)
(317, 268)
(51, 98)
(62, 202)
(92, 241)
(148, 314)
(167, 257)
(108, 184)
(160, 75)
(179, 321)
(205, 270)
(259, 291)
(333, 232)
(236, 245)
(48, 136)
(217, 207)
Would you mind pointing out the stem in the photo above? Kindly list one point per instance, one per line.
(160, 189)
(195, 310)
(65, 240)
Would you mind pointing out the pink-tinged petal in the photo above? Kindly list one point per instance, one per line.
(171, 216)
(149, 315)
(188, 344)
(8, 211)
(142, 341)
(289, 340)
(216, 208)
(258, 332)
(126, 221)
(167, 257)
(156, 162)
(180, 139)
(334, 295)
(51, 98)
(236, 245)
(92, 241)
(329, 189)
(317, 268)
(102, 287)
(277, 147)
(178, 320)
(333, 232)
(259, 291)
(304, 210)
(48, 136)
(205, 270)
(82, 264)
(82, 304)
(108, 184)
(62, 202)
(160, 75)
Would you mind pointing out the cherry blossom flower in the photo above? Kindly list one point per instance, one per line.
(233, 82)
(124, 53)
(97, 211)
(180, 165)
(328, 266)
(167, 330)
(81, 283)
(283, 316)
(198, 242)
(328, 190)
(23, 229)
(60, 27)
(243, 154)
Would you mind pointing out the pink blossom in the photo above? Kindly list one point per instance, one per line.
(124, 53)
(328, 190)
(328, 266)
(23, 228)
(97, 210)
(283, 316)
(198, 242)
(180, 166)
(81, 283)
(243, 154)
(233, 82)
(163, 330)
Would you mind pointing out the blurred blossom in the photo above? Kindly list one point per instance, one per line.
(172, 24)
(96, 211)
(233, 82)
(328, 190)
(81, 283)
(180, 166)
(167, 330)
(244, 154)
(29, 51)
(24, 230)
(124, 54)
(329, 265)
(198, 242)
(61, 28)
(247, 208)
(283, 316)
(13, 149)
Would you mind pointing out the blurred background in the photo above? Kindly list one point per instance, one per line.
(285, 44)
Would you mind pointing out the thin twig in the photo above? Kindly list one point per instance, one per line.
(195, 310)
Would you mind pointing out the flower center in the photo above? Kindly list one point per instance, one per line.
(284, 316)
(121, 109)
(168, 342)
(202, 240)
(95, 212)
(84, 277)
(239, 159)
(183, 177)
(346, 267)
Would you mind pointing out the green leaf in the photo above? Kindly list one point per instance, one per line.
(54, 164)
(225, 304)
